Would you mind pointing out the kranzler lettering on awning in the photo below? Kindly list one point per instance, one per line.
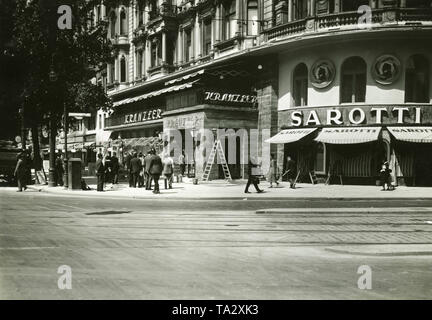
(412, 134)
(348, 135)
(290, 135)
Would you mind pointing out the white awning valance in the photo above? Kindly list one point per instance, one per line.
(412, 134)
(348, 135)
(290, 135)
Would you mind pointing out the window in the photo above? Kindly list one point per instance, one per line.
(123, 69)
(91, 123)
(139, 64)
(140, 15)
(100, 121)
(230, 22)
(112, 72)
(300, 85)
(156, 52)
(113, 21)
(207, 30)
(417, 79)
(123, 22)
(188, 45)
(353, 78)
(300, 9)
(353, 5)
(320, 159)
(252, 18)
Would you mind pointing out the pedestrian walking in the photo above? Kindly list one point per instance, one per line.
(20, 173)
(155, 170)
(108, 168)
(59, 170)
(141, 174)
(100, 173)
(253, 177)
(135, 169)
(168, 170)
(385, 177)
(182, 163)
(147, 175)
(273, 171)
(291, 171)
(127, 161)
(115, 168)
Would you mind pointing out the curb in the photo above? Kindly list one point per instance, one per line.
(381, 254)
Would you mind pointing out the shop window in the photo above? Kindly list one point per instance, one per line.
(300, 85)
(353, 80)
(320, 159)
(417, 79)
(300, 9)
(207, 30)
(252, 18)
(113, 22)
(230, 23)
(123, 69)
(353, 5)
(188, 45)
(123, 22)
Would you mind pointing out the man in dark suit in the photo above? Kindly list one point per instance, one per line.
(20, 173)
(291, 171)
(147, 175)
(127, 161)
(135, 169)
(100, 173)
(115, 168)
(253, 177)
(155, 170)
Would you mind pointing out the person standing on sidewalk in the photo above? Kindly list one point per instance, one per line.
(253, 177)
(141, 174)
(147, 175)
(273, 171)
(291, 171)
(182, 163)
(127, 162)
(108, 168)
(59, 170)
(115, 168)
(20, 173)
(135, 169)
(168, 169)
(155, 170)
(100, 173)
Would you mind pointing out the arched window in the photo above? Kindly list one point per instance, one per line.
(113, 22)
(252, 18)
(417, 79)
(353, 80)
(123, 69)
(123, 22)
(300, 85)
(230, 23)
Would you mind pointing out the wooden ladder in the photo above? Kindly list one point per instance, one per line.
(217, 147)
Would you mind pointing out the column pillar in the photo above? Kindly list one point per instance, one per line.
(337, 5)
(312, 7)
(147, 56)
(164, 47)
(198, 38)
(180, 46)
(403, 3)
(290, 10)
(218, 23)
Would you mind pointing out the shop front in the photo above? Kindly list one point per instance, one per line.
(348, 144)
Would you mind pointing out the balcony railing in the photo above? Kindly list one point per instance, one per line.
(349, 19)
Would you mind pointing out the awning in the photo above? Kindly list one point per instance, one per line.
(290, 135)
(348, 135)
(412, 134)
(89, 144)
(186, 77)
(156, 93)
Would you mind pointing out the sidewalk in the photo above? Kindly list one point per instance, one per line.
(235, 190)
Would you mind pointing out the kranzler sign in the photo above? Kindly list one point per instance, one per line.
(362, 115)
(220, 97)
(143, 116)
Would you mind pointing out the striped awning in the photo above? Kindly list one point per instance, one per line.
(412, 134)
(348, 135)
(290, 135)
(156, 93)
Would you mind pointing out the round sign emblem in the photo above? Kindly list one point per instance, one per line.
(18, 139)
(322, 73)
(386, 69)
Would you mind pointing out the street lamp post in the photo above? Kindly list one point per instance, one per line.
(65, 130)
(53, 132)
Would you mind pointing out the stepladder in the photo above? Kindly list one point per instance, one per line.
(217, 148)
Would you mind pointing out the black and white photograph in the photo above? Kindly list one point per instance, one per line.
(215, 150)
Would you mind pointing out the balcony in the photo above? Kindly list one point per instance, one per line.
(384, 17)
(165, 11)
(120, 40)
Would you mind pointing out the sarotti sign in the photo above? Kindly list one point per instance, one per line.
(343, 116)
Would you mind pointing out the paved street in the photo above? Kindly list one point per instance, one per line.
(213, 249)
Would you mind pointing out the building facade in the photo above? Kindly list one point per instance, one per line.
(340, 85)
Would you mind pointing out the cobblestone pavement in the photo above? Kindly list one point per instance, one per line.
(140, 249)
